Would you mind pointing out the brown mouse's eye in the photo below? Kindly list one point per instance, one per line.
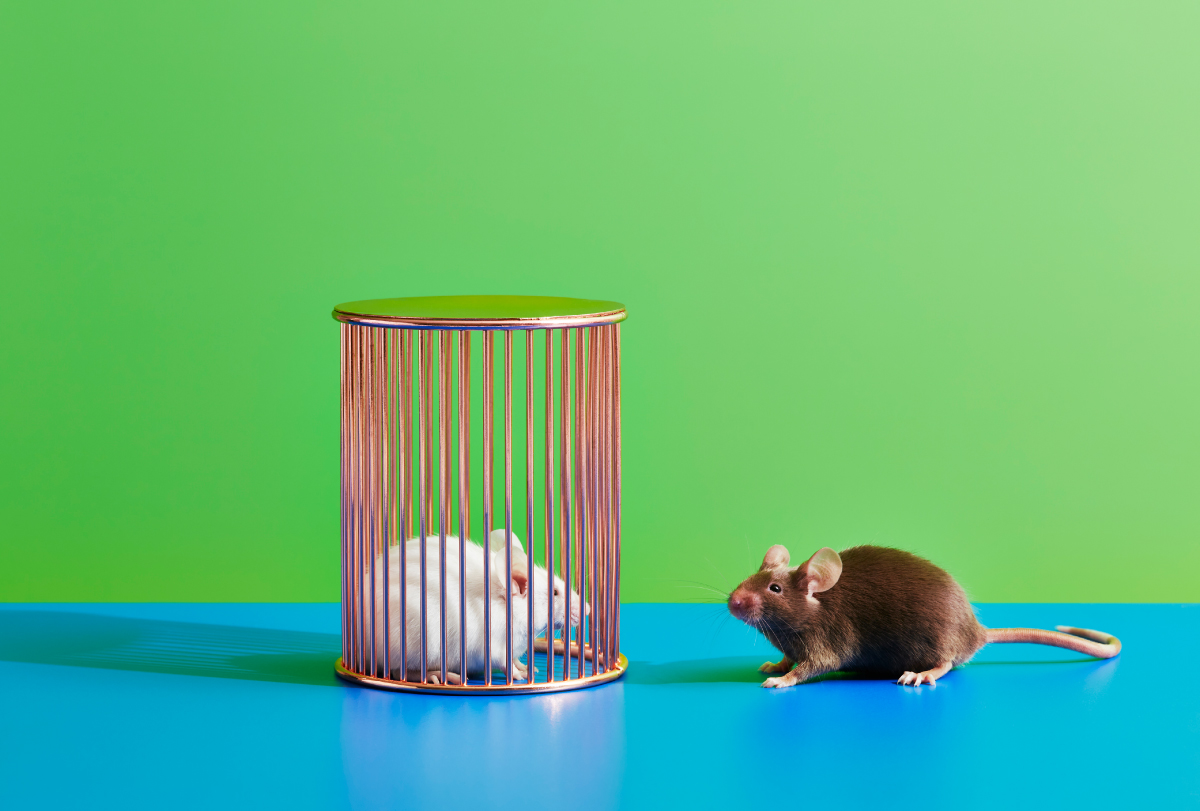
(775, 587)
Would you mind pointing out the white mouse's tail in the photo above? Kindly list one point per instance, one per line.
(1081, 640)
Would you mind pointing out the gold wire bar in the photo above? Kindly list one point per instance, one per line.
(598, 488)
(406, 469)
(598, 497)
(580, 507)
(606, 490)
(464, 487)
(407, 395)
(609, 552)
(443, 475)
(343, 483)
(431, 421)
(529, 502)
(379, 550)
(466, 495)
(602, 486)
(373, 476)
(564, 458)
(351, 501)
(548, 525)
(592, 495)
(389, 489)
(360, 659)
(508, 638)
(600, 570)
(609, 546)
(617, 478)
(423, 381)
(488, 459)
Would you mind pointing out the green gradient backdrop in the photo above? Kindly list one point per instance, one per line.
(925, 276)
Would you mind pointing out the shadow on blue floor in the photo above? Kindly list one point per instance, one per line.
(165, 646)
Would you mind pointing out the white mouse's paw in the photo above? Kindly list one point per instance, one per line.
(778, 681)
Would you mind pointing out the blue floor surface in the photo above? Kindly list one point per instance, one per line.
(236, 706)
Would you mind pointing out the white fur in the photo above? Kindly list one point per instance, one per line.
(474, 559)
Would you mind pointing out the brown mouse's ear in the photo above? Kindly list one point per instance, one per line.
(777, 556)
(822, 570)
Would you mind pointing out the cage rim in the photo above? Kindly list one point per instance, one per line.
(380, 683)
(480, 312)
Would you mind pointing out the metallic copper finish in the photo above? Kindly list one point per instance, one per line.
(580, 487)
(549, 522)
(611, 484)
(548, 322)
(386, 499)
(602, 489)
(358, 500)
(529, 564)
(423, 483)
(600, 573)
(443, 477)
(345, 455)
(593, 395)
(385, 493)
(564, 455)
(406, 488)
(498, 689)
(488, 457)
(427, 436)
(606, 481)
(464, 487)
(617, 481)
(373, 476)
(508, 634)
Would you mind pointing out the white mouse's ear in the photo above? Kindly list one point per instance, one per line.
(776, 556)
(496, 541)
(822, 570)
(520, 577)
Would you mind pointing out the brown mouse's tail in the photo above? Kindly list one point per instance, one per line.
(1093, 643)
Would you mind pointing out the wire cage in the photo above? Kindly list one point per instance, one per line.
(439, 593)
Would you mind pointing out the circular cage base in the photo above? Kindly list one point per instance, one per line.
(480, 689)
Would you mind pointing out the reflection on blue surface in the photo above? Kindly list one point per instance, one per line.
(196, 706)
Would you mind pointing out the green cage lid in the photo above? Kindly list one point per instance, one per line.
(480, 312)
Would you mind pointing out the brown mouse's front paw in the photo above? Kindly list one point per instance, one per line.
(782, 666)
(778, 681)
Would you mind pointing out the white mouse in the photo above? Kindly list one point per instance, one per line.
(473, 557)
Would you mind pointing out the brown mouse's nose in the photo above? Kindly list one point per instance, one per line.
(741, 604)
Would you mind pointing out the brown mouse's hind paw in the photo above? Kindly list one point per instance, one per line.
(930, 677)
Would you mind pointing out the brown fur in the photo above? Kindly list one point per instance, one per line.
(889, 612)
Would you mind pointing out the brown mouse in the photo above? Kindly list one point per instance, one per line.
(878, 612)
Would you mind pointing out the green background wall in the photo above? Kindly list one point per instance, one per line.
(925, 275)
